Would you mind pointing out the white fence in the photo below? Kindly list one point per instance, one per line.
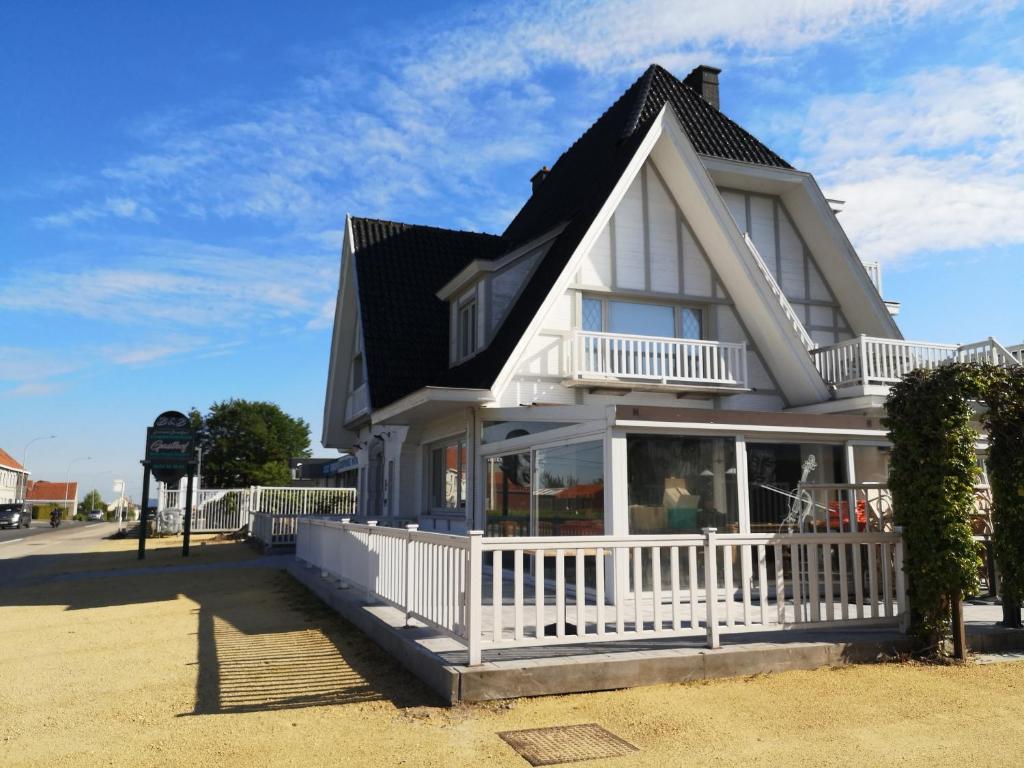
(273, 530)
(868, 360)
(661, 359)
(217, 510)
(538, 591)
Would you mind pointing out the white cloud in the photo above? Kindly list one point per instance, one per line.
(933, 162)
(117, 207)
(382, 126)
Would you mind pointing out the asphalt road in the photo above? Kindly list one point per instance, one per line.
(38, 528)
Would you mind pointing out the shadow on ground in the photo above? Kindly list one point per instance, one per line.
(264, 642)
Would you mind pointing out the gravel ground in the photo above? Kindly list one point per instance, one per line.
(238, 666)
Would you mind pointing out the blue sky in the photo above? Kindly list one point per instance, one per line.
(174, 177)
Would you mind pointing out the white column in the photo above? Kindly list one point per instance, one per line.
(742, 484)
(616, 508)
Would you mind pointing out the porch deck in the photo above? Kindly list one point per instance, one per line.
(441, 661)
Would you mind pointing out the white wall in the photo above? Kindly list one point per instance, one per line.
(647, 250)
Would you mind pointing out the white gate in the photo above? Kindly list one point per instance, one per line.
(221, 510)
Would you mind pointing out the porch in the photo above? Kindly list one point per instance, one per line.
(471, 600)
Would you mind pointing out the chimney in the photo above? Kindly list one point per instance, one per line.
(704, 80)
(538, 178)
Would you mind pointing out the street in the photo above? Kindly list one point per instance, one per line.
(39, 527)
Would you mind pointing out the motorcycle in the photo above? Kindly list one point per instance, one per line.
(54, 519)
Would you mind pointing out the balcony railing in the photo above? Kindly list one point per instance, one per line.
(866, 360)
(658, 359)
(874, 270)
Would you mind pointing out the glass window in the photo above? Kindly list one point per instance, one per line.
(508, 495)
(775, 469)
(448, 476)
(495, 431)
(592, 315)
(692, 322)
(641, 319)
(569, 488)
(871, 463)
(681, 484)
(467, 329)
(556, 491)
(357, 372)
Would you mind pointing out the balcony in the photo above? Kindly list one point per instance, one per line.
(623, 361)
(855, 366)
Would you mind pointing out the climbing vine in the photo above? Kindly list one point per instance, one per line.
(932, 476)
(1004, 421)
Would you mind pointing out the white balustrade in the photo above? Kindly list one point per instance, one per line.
(305, 501)
(780, 297)
(1017, 352)
(492, 593)
(866, 360)
(659, 359)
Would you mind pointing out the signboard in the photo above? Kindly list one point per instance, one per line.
(119, 486)
(170, 446)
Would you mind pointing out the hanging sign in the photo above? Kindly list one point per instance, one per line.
(170, 446)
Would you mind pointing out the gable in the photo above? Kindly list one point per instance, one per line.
(765, 218)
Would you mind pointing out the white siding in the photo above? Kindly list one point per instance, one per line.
(630, 270)
(696, 270)
(664, 245)
(791, 256)
(596, 269)
(762, 229)
(821, 315)
(737, 205)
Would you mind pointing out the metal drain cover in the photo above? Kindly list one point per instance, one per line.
(566, 744)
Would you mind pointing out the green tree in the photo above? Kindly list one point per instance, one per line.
(92, 500)
(249, 443)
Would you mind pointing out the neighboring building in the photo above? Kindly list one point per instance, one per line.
(13, 479)
(44, 493)
(671, 333)
(338, 472)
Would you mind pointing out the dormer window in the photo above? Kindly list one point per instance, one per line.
(466, 343)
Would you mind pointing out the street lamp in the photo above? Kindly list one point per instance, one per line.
(24, 462)
(24, 454)
(67, 478)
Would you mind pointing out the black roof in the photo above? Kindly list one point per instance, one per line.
(400, 267)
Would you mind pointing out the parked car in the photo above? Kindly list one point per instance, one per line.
(15, 516)
(96, 516)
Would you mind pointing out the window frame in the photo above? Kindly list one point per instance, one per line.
(678, 308)
(459, 442)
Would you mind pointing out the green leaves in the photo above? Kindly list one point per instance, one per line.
(249, 443)
(932, 477)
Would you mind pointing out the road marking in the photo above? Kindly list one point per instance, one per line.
(11, 541)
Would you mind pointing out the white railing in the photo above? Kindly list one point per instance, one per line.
(422, 574)
(780, 297)
(218, 510)
(659, 359)
(305, 501)
(868, 360)
(1017, 351)
(358, 402)
(495, 593)
(273, 530)
(874, 270)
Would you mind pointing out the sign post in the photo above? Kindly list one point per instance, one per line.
(170, 455)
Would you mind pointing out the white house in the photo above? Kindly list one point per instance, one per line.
(13, 479)
(660, 341)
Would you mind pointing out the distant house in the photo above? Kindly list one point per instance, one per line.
(43, 493)
(339, 472)
(13, 478)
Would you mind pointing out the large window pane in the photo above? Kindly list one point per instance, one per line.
(681, 484)
(448, 476)
(775, 469)
(569, 489)
(508, 495)
(641, 319)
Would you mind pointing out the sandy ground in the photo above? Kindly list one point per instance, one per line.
(238, 666)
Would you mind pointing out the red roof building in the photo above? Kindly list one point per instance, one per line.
(12, 479)
(45, 492)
